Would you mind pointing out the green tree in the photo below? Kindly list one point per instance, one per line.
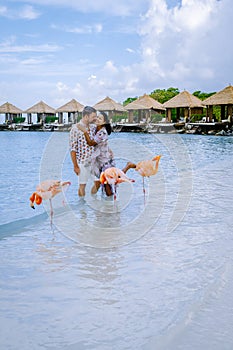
(164, 95)
(129, 100)
(17, 120)
(50, 119)
(203, 95)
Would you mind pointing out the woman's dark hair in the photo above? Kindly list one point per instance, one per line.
(108, 128)
(106, 123)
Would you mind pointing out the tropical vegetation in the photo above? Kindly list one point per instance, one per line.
(164, 95)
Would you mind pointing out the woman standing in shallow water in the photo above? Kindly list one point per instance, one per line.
(102, 157)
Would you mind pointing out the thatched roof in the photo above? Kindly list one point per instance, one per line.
(145, 102)
(42, 108)
(9, 108)
(223, 97)
(183, 99)
(71, 106)
(107, 104)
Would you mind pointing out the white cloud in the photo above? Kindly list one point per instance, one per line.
(119, 8)
(3, 10)
(92, 77)
(98, 28)
(130, 50)
(87, 29)
(110, 67)
(28, 12)
(61, 87)
(179, 44)
(33, 61)
(178, 48)
(194, 15)
(25, 12)
(5, 47)
(84, 29)
(187, 46)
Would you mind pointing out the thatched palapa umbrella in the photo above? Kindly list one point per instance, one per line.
(10, 111)
(144, 104)
(223, 98)
(72, 108)
(185, 100)
(42, 110)
(110, 106)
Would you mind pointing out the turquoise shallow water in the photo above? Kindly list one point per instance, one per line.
(153, 273)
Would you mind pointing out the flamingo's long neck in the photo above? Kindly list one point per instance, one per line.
(156, 166)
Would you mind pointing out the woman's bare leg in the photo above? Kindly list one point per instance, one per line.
(95, 187)
(81, 190)
(108, 190)
(128, 166)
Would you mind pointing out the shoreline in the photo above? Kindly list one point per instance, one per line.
(223, 128)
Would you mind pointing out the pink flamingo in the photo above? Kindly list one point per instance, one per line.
(113, 176)
(47, 190)
(148, 168)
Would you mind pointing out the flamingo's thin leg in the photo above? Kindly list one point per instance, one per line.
(144, 190)
(115, 189)
(51, 211)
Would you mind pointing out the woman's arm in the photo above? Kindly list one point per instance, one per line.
(111, 153)
(90, 141)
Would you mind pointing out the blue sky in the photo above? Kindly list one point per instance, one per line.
(56, 50)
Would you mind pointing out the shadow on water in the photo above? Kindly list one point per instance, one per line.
(22, 225)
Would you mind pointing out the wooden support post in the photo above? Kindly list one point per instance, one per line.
(130, 116)
(169, 115)
(223, 116)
